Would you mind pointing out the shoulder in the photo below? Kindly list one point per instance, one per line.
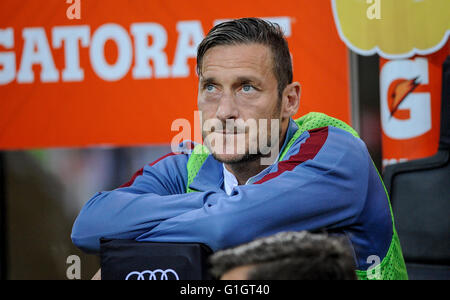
(347, 152)
(342, 140)
(177, 159)
(330, 145)
(170, 165)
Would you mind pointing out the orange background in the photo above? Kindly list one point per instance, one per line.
(140, 111)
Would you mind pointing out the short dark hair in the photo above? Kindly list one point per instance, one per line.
(252, 30)
(290, 256)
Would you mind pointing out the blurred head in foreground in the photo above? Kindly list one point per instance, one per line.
(286, 256)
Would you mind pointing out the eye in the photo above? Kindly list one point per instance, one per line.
(247, 88)
(209, 87)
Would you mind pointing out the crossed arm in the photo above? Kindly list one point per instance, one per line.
(319, 193)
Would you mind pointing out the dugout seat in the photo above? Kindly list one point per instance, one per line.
(419, 191)
(131, 260)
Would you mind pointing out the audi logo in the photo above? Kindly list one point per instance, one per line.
(157, 274)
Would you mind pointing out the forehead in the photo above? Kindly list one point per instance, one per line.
(242, 59)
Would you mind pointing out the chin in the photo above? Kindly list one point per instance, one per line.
(229, 158)
(236, 158)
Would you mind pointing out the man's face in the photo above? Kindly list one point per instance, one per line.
(238, 91)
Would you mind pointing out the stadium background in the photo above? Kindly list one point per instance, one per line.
(89, 98)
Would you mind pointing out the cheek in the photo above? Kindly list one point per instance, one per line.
(264, 105)
(208, 108)
(259, 113)
(207, 113)
(204, 106)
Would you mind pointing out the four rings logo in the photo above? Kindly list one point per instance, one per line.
(157, 274)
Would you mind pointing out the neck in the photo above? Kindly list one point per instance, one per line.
(246, 169)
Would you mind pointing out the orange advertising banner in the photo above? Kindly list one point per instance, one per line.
(76, 73)
(411, 91)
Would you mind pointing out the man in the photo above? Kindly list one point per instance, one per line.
(286, 256)
(322, 177)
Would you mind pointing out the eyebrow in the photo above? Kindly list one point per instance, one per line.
(248, 79)
(239, 80)
(209, 80)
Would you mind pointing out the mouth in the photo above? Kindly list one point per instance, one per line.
(231, 132)
(228, 133)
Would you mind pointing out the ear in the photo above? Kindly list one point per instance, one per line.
(291, 100)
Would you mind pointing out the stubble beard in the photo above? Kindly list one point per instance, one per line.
(248, 157)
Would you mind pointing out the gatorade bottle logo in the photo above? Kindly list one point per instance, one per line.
(401, 90)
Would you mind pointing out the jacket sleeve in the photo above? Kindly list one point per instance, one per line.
(129, 211)
(327, 191)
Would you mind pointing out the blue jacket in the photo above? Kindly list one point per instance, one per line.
(326, 180)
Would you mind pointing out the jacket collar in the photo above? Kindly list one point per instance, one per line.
(210, 175)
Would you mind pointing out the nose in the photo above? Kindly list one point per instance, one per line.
(227, 108)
